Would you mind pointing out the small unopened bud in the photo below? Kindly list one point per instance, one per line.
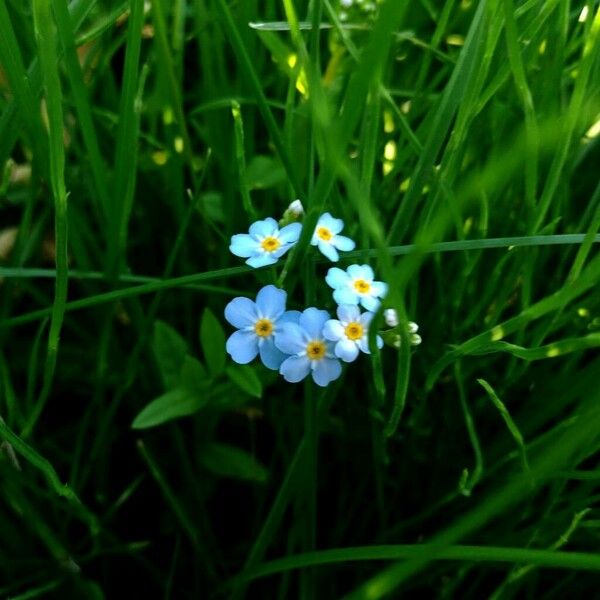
(412, 327)
(415, 340)
(391, 317)
(296, 208)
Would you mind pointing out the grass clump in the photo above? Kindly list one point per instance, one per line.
(457, 140)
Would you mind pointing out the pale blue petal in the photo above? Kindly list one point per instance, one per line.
(328, 250)
(312, 321)
(262, 260)
(333, 330)
(343, 243)
(348, 313)
(363, 344)
(295, 368)
(290, 233)
(326, 370)
(271, 356)
(270, 302)
(379, 288)
(242, 346)
(366, 318)
(243, 245)
(289, 316)
(337, 278)
(264, 228)
(347, 350)
(365, 272)
(241, 312)
(345, 296)
(334, 225)
(291, 339)
(370, 303)
(355, 272)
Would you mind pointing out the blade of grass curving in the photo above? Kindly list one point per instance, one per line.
(543, 558)
(467, 484)
(442, 120)
(48, 58)
(49, 473)
(126, 145)
(170, 496)
(82, 102)
(531, 127)
(240, 49)
(240, 154)
(588, 279)
(560, 452)
(570, 121)
(510, 424)
(14, 68)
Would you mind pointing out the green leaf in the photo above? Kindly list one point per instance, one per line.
(246, 379)
(170, 351)
(212, 340)
(228, 461)
(193, 374)
(264, 172)
(172, 405)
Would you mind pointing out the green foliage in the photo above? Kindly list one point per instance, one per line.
(458, 140)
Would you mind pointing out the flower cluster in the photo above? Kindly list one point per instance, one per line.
(311, 342)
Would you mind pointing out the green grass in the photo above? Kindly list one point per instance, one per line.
(458, 140)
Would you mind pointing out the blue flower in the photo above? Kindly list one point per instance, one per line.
(356, 286)
(265, 243)
(310, 351)
(350, 332)
(326, 237)
(258, 324)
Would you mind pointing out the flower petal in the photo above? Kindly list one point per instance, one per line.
(270, 302)
(290, 339)
(290, 233)
(328, 251)
(326, 370)
(348, 313)
(345, 296)
(333, 330)
(270, 355)
(289, 316)
(334, 225)
(264, 228)
(242, 346)
(343, 243)
(295, 368)
(366, 318)
(347, 350)
(243, 245)
(337, 278)
(312, 321)
(378, 288)
(261, 261)
(370, 303)
(241, 312)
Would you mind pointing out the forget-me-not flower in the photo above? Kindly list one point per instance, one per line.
(309, 350)
(355, 286)
(258, 325)
(350, 332)
(265, 243)
(326, 237)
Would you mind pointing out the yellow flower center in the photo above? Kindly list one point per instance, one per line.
(362, 286)
(263, 327)
(315, 350)
(324, 233)
(270, 244)
(354, 331)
